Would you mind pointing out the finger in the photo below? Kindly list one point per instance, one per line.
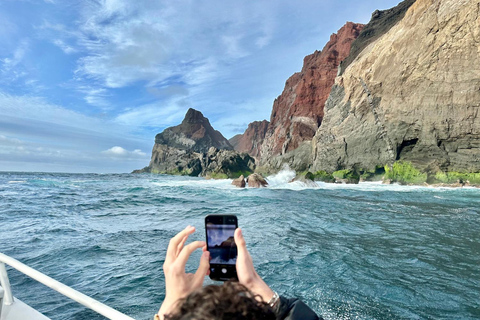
(187, 251)
(202, 270)
(240, 242)
(175, 241)
(245, 270)
(180, 245)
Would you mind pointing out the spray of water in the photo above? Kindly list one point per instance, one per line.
(283, 177)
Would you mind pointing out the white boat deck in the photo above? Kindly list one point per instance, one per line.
(18, 311)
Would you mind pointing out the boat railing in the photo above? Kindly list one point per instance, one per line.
(73, 294)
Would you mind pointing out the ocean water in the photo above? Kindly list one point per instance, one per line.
(367, 251)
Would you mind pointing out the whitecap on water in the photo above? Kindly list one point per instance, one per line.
(17, 181)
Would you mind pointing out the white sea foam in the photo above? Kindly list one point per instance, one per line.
(17, 181)
(198, 182)
(282, 178)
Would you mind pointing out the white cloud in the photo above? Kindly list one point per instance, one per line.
(126, 42)
(8, 141)
(16, 57)
(64, 47)
(156, 115)
(95, 96)
(119, 152)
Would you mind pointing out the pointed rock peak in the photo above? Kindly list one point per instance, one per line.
(194, 116)
(195, 133)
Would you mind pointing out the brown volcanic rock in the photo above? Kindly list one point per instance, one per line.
(298, 111)
(195, 133)
(255, 180)
(413, 95)
(239, 182)
(251, 140)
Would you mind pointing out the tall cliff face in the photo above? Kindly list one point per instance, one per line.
(298, 111)
(252, 139)
(413, 94)
(194, 134)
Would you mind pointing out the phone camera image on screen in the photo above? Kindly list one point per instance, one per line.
(221, 244)
(220, 231)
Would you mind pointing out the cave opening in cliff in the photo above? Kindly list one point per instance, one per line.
(405, 147)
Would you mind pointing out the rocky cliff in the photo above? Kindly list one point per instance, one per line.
(194, 148)
(412, 94)
(252, 139)
(298, 111)
(194, 134)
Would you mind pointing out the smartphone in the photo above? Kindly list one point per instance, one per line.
(222, 247)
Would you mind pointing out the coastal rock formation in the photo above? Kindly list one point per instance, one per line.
(239, 182)
(255, 180)
(252, 139)
(194, 134)
(226, 163)
(298, 111)
(413, 94)
(194, 148)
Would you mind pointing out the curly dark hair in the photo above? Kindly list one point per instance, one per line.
(228, 301)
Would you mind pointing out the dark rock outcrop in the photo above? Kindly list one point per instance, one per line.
(252, 139)
(226, 163)
(194, 148)
(298, 111)
(194, 134)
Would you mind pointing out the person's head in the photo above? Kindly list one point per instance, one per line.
(228, 301)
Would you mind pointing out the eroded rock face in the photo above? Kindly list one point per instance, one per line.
(252, 139)
(194, 148)
(194, 134)
(298, 111)
(413, 94)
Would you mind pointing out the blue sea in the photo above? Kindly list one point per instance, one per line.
(366, 251)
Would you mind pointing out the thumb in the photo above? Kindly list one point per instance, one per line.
(240, 242)
(202, 270)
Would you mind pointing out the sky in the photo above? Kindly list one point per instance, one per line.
(86, 85)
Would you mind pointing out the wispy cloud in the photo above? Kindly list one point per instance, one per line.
(119, 152)
(64, 47)
(159, 115)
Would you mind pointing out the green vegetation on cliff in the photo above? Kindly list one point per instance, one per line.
(404, 172)
(458, 177)
(323, 176)
(345, 174)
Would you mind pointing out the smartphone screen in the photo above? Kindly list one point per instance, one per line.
(221, 245)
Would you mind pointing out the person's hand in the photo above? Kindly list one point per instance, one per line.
(179, 284)
(246, 272)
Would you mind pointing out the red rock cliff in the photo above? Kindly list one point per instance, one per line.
(251, 140)
(298, 111)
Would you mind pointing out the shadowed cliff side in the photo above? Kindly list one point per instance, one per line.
(252, 139)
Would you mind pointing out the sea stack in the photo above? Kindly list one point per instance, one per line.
(194, 148)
